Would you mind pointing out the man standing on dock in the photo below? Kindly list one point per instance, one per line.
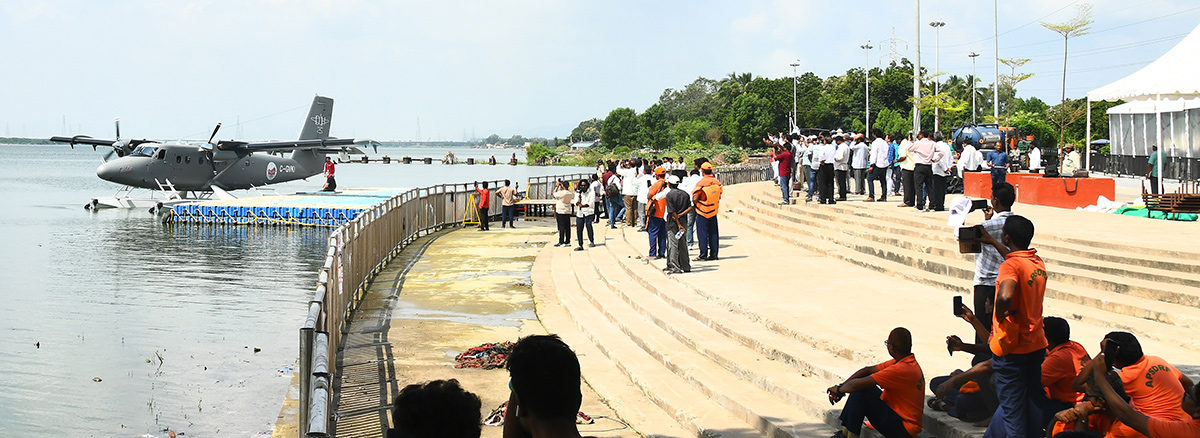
(485, 201)
(508, 196)
(330, 184)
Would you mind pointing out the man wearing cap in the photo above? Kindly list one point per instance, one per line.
(656, 211)
(678, 204)
(707, 197)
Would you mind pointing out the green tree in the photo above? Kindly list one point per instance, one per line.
(749, 119)
(695, 101)
(690, 134)
(620, 129)
(588, 130)
(891, 122)
(654, 127)
(1035, 124)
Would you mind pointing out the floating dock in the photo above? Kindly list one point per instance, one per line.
(314, 209)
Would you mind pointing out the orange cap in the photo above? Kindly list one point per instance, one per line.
(706, 166)
(659, 171)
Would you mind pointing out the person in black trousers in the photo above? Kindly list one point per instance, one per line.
(563, 198)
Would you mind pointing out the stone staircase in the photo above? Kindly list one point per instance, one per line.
(1150, 292)
(804, 296)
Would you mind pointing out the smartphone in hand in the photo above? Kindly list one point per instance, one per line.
(958, 305)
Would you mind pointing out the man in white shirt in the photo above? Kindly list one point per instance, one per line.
(841, 166)
(880, 160)
(825, 171)
(643, 197)
(1035, 159)
(689, 185)
(941, 174)
(859, 163)
(970, 159)
(812, 163)
(629, 177)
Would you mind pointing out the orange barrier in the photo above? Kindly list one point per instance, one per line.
(1033, 189)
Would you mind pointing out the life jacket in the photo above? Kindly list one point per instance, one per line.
(708, 203)
(660, 205)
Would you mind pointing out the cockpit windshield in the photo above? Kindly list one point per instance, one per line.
(144, 151)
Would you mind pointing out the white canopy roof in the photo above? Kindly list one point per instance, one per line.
(1173, 76)
(1151, 106)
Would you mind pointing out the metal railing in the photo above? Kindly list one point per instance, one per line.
(362, 248)
(1175, 168)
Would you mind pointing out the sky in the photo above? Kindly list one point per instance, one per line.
(453, 70)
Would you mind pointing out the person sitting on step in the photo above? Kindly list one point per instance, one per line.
(546, 395)
(891, 394)
(440, 408)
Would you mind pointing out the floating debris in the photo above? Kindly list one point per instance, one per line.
(97, 379)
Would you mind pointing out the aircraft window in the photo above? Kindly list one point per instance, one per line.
(187, 159)
(144, 151)
(178, 159)
(162, 155)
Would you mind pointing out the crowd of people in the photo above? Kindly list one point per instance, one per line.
(676, 206)
(920, 168)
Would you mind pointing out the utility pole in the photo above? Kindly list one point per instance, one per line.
(937, 69)
(996, 60)
(867, 80)
(794, 65)
(917, 74)
(973, 55)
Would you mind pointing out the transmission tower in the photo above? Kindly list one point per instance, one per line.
(894, 45)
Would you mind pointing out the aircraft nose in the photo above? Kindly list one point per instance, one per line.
(110, 171)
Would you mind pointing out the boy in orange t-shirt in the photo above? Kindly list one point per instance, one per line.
(1189, 427)
(897, 410)
(1018, 338)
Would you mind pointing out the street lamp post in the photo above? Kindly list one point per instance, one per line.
(996, 60)
(916, 113)
(794, 65)
(867, 80)
(937, 80)
(973, 55)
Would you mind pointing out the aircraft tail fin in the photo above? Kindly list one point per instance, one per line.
(316, 126)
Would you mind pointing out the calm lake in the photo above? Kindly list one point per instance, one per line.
(118, 326)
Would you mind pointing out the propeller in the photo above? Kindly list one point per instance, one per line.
(214, 134)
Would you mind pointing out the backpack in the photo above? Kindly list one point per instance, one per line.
(613, 190)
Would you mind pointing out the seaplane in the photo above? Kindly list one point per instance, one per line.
(180, 173)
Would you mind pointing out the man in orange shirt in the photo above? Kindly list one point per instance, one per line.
(656, 223)
(1063, 363)
(897, 410)
(1018, 339)
(1148, 425)
(485, 201)
(1153, 385)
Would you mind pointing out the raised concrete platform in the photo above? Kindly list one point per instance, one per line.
(444, 294)
(804, 295)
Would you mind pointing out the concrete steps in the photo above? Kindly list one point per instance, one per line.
(810, 349)
(602, 374)
(1144, 282)
(690, 408)
(935, 253)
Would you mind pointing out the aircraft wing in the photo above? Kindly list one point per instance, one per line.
(83, 139)
(336, 144)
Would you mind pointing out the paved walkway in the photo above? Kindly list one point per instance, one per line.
(444, 294)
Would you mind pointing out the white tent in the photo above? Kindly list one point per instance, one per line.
(1171, 77)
